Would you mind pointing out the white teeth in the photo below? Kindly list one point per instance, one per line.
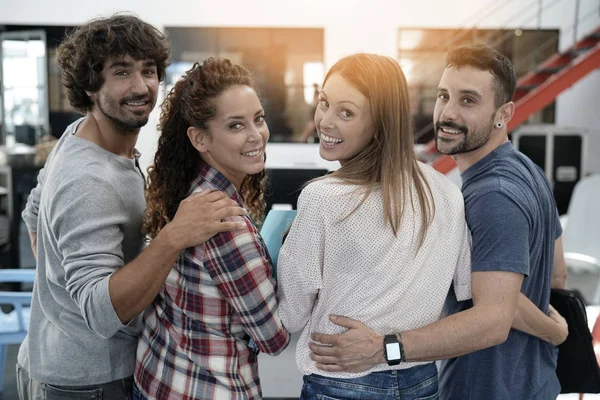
(330, 140)
(452, 131)
(252, 153)
(135, 103)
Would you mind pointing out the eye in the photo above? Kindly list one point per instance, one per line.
(260, 119)
(149, 72)
(324, 104)
(468, 100)
(236, 125)
(443, 96)
(121, 73)
(346, 113)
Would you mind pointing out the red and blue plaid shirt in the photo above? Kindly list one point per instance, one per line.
(217, 297)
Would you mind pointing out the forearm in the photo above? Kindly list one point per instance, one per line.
(458, 334)
(559, 281)
(33, 240)
(133, 287)
(531, 320)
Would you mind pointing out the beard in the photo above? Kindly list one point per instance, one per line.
(124, 121)
(469, 140)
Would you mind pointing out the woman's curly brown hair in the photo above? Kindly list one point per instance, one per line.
(191, 102)
(82, 53)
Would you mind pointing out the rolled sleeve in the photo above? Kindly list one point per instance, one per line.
(87, 216)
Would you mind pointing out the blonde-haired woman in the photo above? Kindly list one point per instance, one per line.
(381, 240)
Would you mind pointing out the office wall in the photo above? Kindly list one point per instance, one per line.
(350, 26)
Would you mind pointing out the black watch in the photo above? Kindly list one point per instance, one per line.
(393, 351)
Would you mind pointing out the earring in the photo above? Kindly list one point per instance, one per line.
(498, 124)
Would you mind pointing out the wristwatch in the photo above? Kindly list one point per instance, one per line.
(393, 351)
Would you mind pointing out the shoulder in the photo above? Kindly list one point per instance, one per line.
(442, 188)
(329, 195)
(327, 186)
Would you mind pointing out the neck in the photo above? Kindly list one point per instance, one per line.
(235, 179)
(466, 160)
(101, 131)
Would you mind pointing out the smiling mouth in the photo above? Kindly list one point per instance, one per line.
(252, 153)
(330, 140)
(137, 103)
(451, 131)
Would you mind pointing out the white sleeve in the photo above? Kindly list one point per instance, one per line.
(300, 263)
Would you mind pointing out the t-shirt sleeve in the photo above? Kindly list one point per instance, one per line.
(500, 232)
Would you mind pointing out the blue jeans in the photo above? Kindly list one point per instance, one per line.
(416, 383)
(137, 395)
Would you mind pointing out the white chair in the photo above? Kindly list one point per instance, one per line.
(581, 239)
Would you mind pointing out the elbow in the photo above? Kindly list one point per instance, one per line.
(95, 322)
(97, 311)
(559, 282)
(498, 329)
(276, 345)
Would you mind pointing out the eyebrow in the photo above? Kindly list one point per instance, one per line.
(464, 91)
(242, 117)
(129, 64)
(343, 101)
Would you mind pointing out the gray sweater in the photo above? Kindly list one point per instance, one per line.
(87, 211)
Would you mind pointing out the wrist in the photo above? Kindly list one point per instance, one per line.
(167, 239)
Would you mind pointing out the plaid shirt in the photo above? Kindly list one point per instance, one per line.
(217, 297)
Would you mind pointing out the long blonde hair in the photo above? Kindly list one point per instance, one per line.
(389, 159)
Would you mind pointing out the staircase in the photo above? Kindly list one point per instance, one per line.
(540, 87)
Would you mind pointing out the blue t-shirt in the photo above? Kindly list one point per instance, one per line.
(513, 219)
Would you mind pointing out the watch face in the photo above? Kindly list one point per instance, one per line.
(392, 351)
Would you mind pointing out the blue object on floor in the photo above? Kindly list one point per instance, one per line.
(14, 325)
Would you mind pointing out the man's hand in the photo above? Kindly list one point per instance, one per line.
(563, 330)
(201, 216)
(33, 240)
(356, 350)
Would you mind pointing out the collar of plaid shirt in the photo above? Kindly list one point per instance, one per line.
(218, 180)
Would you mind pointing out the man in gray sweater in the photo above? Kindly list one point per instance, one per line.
(94, 276)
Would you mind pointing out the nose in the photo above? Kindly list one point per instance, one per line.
(138, 84)
(326, 122)
(448, 112)
(254, 134)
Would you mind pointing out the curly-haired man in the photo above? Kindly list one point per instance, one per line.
(94, 276)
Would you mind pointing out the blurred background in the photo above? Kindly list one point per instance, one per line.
(289, 45)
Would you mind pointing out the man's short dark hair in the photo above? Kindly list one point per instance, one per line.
(486, 58)
(82, 53)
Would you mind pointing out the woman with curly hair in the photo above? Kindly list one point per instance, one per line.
(218, 295)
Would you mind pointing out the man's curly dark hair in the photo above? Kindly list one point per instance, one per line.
(82, 53)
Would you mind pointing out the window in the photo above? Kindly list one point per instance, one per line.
(287, 64)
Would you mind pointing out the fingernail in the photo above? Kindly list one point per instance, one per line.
(245, 210)
(333, 317)
(241, 225)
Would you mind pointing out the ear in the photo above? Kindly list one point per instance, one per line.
(199, 138)
(91, 95)
(506, 112)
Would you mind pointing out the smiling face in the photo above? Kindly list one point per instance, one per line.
(465, 110)
(235, 138)
(343, 120)
(128, 93)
